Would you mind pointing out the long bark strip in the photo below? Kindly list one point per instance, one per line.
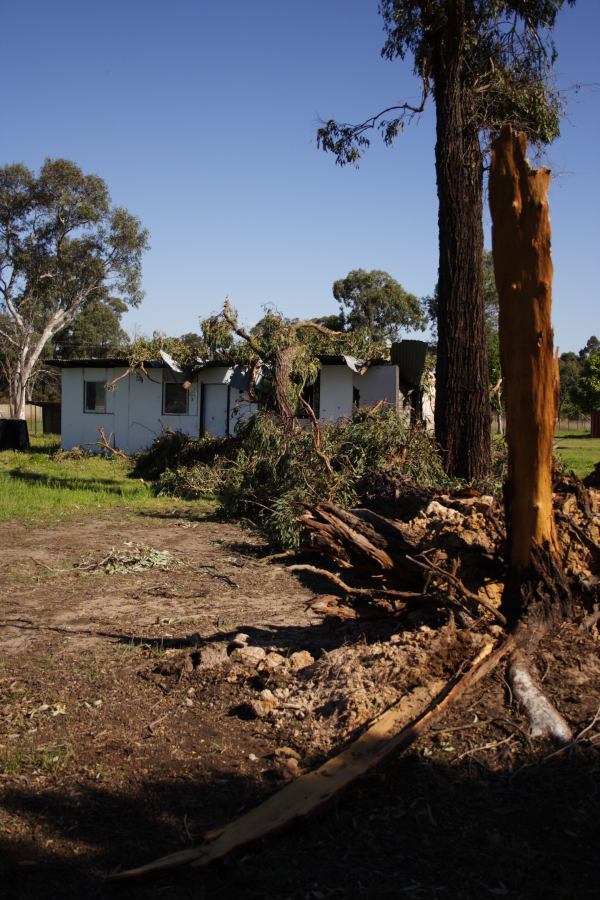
(388, 733)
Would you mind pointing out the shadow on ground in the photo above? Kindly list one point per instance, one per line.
(107, 485)
(414, 829)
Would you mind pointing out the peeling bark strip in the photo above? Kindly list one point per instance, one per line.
(308, 792)
(523, 269)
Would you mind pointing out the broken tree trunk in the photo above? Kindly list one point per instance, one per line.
(536, 594)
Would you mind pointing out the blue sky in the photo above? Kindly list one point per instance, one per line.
(201, 117)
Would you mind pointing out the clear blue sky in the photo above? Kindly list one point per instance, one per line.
(201, 117)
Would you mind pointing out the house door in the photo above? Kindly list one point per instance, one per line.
(215, 409)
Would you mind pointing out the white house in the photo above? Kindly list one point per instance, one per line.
(133, 407)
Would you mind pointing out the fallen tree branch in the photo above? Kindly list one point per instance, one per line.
(386, 734)
(364, 592)
(104, 443)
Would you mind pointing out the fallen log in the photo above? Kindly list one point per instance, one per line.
(363, 541)
(386, 734)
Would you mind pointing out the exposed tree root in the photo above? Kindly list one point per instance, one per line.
(544, 720)
(361, 591)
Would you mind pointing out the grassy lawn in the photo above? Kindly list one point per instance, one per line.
(44, 484)
(578, 451)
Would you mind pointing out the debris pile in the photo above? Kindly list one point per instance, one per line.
(133, 558)
(436, 547)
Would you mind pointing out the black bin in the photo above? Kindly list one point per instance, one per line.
(14, 434)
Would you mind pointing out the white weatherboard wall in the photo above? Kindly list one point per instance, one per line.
(337, 384)
(77, 426)
(378, 383)
(146, 417)
(134, 407)
(223, 410)
(335, 400)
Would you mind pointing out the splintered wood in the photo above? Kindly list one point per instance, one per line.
(523, 269)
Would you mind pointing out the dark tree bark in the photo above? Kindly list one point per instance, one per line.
(462, 408)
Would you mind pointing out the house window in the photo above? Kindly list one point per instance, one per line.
(175, 399)
(95, 396)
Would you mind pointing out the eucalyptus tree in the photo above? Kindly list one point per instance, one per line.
(62, 247)
(377, 303)
(484, 63)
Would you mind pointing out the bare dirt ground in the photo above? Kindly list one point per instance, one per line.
(130, 725)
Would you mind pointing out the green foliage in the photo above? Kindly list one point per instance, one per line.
(586, 391)
(505, 63)
(217, 338)
(96, 332)
(569, 368)
(174, 448)
(267, 474)
(592, 346)
(62, 248)
(62, 241)
(144, 349)
(377, 303)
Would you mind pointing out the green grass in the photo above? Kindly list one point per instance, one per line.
(43, 484)
(18, 762)
(578, 451)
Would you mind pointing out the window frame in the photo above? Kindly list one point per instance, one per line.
(186, 393)
(86, 409)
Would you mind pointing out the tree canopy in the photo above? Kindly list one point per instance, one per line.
(95, 332)
(506, 59)
(377, 303)
(62, 247)
(592, 346)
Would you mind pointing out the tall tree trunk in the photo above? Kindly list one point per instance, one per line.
(537, 594)
(18, 390)
(462, 408)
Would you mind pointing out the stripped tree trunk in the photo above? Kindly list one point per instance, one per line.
(536, 594)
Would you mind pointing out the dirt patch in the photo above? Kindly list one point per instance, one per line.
(140, 710)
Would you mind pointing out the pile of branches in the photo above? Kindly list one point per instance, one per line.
(411, 545)
(268, 473)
